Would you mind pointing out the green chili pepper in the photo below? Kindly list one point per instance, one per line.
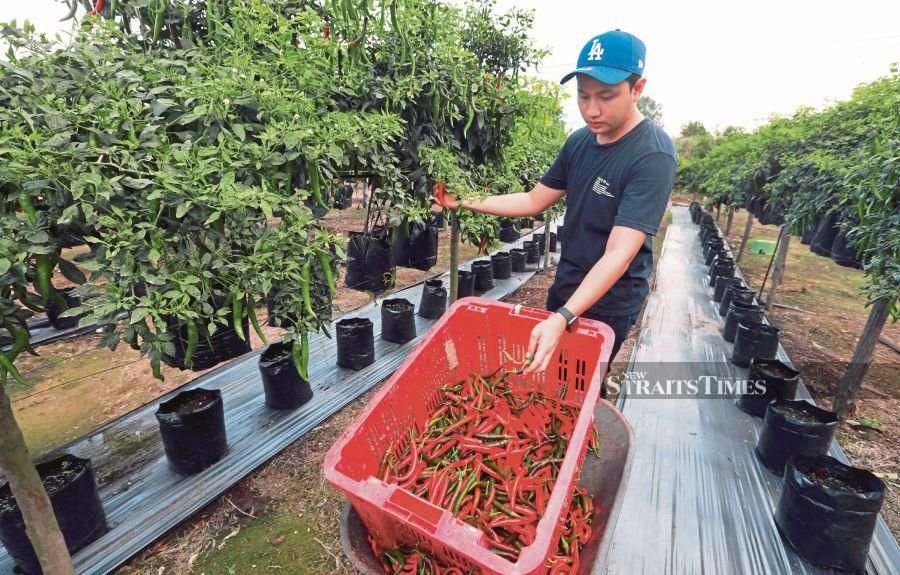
(315, 183)
(237, 314)
(6, 366)
(251, 311)
(28, 209)
(159, 20)
(304, 289)
(156, 366)
(193, 338)
(471, 116)
(325, 261)
(304, 355)
(44, 270)
(300, 353)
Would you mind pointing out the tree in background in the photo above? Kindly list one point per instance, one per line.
(692, 129)
(650, 108)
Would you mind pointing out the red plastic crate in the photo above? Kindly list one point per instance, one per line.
(471, 337)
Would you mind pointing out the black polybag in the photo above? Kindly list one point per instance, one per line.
(501, 265)
(465, 285)
(76, 505)
(735, 292)
(532, 252)
(222, 345)
(283, 385)
(434, 299)
(355, 343)
(517, 257)
(193, 441)
(54, 309)
(843, 252)
(417, 249)
(823, 241)
(370, 264)
(739, 311)
(754, 340)
(783, 436)
(827, 527)
(484, 275)
(772, 380)
(722, 283)
(398, 322)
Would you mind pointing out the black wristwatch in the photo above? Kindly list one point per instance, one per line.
(570, 317)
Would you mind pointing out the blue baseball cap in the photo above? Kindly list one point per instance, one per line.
(610, 58)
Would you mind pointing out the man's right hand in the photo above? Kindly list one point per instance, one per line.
(443, 198)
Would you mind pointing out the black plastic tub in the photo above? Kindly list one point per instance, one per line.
(465, 286)
(771, 380)
(434, 299)
(737, 312)
(501, 264)
(792, 428)
(828, 510)
(532, 252)
(192, 426)
(398, 322)
(283, 385)
(754, 340)
(517, 258)
(355, 343)
(72, 488)
(484, 275)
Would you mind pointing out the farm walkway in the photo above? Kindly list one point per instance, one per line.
(697, 499)
(144, 499)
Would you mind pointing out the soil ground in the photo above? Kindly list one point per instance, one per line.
(266, 524)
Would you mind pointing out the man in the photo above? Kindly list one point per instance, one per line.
(617, 174)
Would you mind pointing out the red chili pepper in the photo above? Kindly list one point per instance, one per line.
(98, 7)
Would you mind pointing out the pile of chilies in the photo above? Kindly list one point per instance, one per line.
(490, 454)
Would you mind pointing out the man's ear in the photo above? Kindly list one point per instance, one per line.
(638, 89)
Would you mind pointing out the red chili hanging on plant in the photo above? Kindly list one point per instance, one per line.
(98, 7)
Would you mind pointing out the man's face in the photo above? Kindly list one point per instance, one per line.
(606, 108)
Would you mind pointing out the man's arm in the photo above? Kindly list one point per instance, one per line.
(518, 205)
(623, 244)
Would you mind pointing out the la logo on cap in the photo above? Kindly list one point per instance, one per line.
(596, 52)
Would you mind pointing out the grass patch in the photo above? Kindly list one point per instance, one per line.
(280, 543)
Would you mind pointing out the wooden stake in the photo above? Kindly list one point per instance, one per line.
(845, 400)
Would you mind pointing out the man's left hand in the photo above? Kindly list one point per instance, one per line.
(544, 338)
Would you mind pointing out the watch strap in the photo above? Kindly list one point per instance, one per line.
(566, 313)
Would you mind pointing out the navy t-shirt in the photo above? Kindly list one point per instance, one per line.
(626, 183)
